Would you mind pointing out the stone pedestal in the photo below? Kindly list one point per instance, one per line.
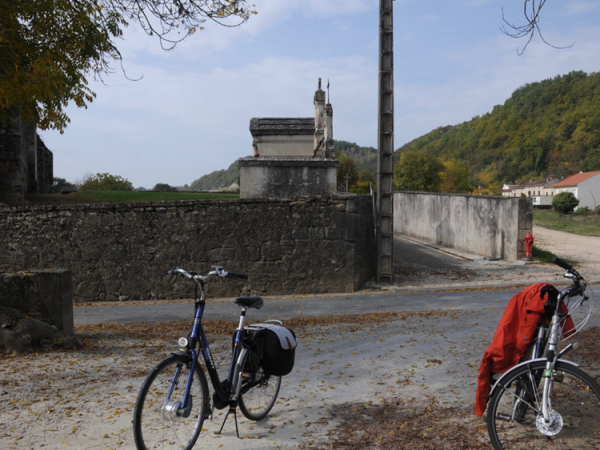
(46, 294)
(276, 177)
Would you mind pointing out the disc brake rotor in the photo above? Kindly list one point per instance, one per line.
(553, 427)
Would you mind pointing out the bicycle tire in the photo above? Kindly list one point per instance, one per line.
(156, 427)
(259, 391)
(575, 401)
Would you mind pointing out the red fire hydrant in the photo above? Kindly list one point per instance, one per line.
(528, 247)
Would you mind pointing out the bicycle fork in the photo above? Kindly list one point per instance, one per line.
(552, 357)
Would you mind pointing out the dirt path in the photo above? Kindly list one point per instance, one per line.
(585, 250)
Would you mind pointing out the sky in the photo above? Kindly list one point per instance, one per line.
(189, 113)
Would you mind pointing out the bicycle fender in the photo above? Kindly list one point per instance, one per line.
(524, 363)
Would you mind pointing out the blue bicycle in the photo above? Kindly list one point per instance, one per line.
(174, 401)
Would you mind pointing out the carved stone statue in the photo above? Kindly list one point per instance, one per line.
(320, 120)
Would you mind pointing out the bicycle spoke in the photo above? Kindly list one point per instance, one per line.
(157, 424)
(573, 417)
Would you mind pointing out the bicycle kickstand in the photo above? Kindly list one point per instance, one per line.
(231, 409)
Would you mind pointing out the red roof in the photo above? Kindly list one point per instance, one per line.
(574, 180)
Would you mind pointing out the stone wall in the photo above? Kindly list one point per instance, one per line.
(123, 251)
(45, 168)
(11, 165)
(26, 164)
(493, 227)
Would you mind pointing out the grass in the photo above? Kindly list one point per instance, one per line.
(546, 256)
(583, 225)
(145, 196)
(123, 196)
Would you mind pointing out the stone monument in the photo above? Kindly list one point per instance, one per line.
(292, 156)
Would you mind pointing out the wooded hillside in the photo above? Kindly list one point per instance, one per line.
(546, 128)
(550, 127)
(219, 179)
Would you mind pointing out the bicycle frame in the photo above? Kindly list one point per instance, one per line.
(547, 341)
(230, 389)
(553, 342)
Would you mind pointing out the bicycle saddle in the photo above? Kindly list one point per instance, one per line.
(249, 302)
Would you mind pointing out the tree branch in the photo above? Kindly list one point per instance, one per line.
(531, 11)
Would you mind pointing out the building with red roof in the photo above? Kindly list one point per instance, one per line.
(584, 185)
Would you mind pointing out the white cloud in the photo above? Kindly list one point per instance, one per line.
(575, 7)
(190, 113)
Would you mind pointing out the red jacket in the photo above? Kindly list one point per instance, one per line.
(513, 335)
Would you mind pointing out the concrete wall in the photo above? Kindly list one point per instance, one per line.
(286, 177)
(123, 251)
(492, 227)
(588, 192)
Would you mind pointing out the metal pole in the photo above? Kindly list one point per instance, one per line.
(385, 145)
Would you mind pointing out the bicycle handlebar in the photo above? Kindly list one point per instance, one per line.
(217, 270)
(238, 276)
(559, 262)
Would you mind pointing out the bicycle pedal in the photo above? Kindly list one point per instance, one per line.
(209, 414)
(558, 377)
(504, 417)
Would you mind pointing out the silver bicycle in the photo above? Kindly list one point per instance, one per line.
(546, 401)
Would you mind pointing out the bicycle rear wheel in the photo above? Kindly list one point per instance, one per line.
(158, 420)
(259, 391)
(515, 420)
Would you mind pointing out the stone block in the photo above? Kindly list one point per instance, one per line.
(45, 294)
(335, 233)
(300, 233)
(272, 251)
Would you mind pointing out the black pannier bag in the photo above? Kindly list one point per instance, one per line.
(275, 346)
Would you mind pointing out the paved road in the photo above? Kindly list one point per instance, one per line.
(285, 308)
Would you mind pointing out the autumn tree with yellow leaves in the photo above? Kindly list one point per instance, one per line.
(49, 48)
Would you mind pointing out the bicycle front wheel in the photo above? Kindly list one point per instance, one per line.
(258, 393)
(159, 421)
(515, 419)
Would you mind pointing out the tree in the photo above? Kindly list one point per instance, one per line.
(366, 180)
(455, 178)
(163, 187)
(49, 47)
(346, 167)
(46, 49)
(565, 202)
(418, 171)
(106, 182)
(61, 184)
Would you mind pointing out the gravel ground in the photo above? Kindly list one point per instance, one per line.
(411, 364)
(84, 399)
(355, 384)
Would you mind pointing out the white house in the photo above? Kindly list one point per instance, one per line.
(585, 186)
